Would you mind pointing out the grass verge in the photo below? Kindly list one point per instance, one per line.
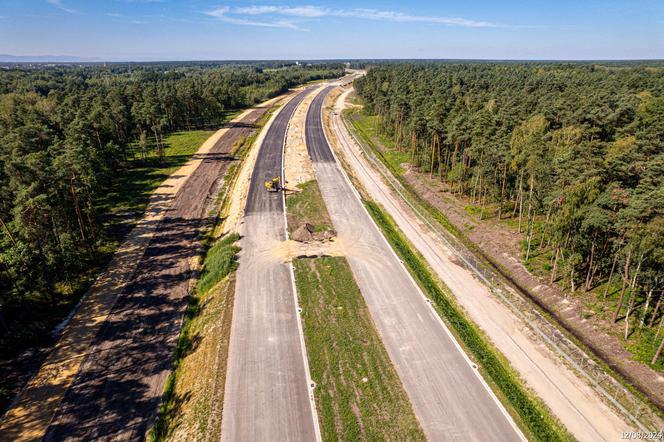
(307, 206)
(193, 394)
(359, 395)
(535, 419)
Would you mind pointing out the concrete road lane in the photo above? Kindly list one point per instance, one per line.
(267, 397)
(450, 399)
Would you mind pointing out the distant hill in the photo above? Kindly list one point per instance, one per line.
(7, 58)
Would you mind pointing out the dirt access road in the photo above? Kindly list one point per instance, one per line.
(571, 399)
(268, 394)
(110, 384)
(450, 399)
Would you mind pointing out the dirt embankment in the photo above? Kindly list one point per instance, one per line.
(297, 165)
(500, 245)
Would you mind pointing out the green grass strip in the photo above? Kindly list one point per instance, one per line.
(358, 393)
(219, 262)
(539, 423)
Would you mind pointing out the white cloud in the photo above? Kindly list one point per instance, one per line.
(223, 15)
(58, 4)
(238, 16)
(298, 11)
(375, 14)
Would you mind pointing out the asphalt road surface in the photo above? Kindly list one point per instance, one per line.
(450, 399)
(267, 396)
(118, 389)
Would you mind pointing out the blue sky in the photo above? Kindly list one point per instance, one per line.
(264, 29)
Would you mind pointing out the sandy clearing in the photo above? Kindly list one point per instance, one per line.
(571, 399)
(31, 412)
(297, 164)
(287, 250)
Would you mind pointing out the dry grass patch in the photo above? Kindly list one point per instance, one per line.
(199, 388)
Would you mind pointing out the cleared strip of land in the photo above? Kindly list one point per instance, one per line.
(193, 398)
(358, 393)
(194, 394)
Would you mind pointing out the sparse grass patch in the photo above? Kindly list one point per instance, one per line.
(367, 127)
(307, 206)
(472, 210)
(644, 347)
(221, 260)
(535, 418)
(358, 393)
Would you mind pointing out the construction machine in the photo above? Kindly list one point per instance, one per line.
(273, 185)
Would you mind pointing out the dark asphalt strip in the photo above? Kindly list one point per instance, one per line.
(268, 162)
(317, 145)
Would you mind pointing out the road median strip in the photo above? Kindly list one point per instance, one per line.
(358, 393)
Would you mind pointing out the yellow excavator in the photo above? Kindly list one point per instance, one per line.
(273, 185)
